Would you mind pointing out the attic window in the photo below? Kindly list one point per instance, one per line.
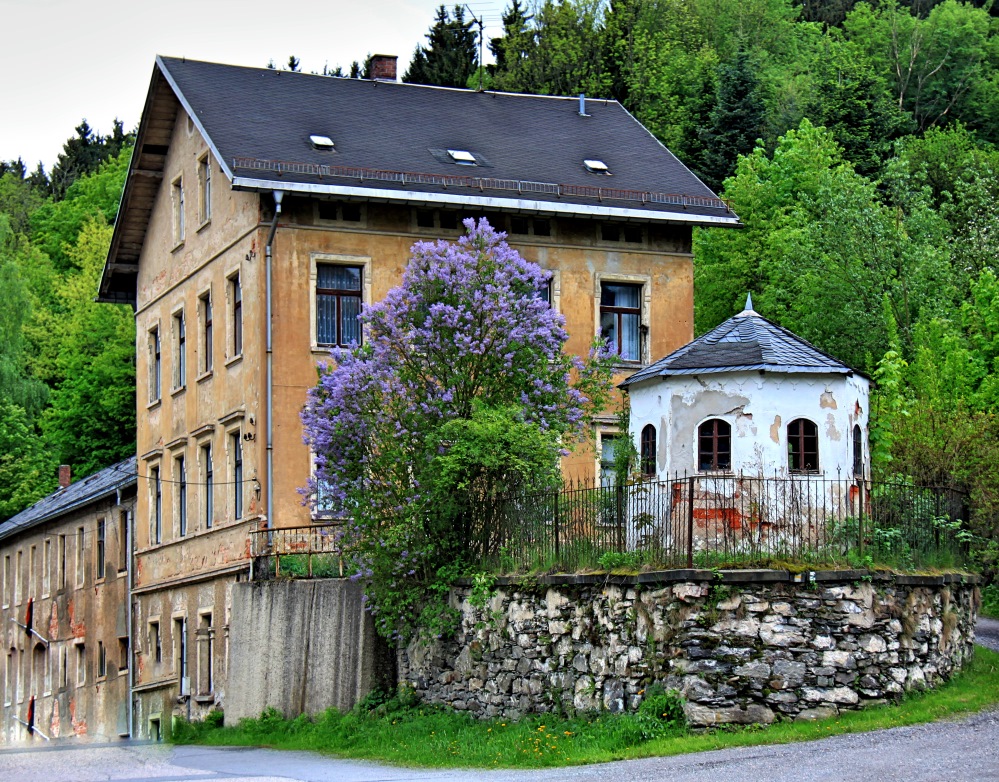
(596, 167)
(462, 157)
(322, 143)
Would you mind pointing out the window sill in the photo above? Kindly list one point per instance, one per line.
(178, 390)
(154, 404)
(209, 698)
(99, 581)
(179, 245)
(204, 224)
(234, 360)
(203, 376)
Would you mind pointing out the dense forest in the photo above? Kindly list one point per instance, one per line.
(855, 139)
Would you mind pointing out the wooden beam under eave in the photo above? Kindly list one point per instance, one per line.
(144, 172)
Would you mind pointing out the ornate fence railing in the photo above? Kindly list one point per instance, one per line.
(706, 520)
(312, 550)
(698, 520)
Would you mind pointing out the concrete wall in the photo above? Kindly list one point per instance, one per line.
(758, 407)
(750, 647)
(299, 647)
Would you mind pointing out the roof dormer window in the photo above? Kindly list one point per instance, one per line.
(596, 167)
(462, 157)
(322, 143)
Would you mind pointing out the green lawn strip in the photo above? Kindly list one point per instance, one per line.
(440, 738)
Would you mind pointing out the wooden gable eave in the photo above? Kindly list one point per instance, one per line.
(145, 174)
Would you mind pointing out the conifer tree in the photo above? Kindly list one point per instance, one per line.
(450, 57)
(736, 121)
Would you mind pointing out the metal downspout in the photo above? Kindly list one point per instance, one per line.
(278, 196)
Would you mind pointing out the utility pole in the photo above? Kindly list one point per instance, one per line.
(482, 37)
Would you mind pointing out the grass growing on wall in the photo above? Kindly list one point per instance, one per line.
(406, 733)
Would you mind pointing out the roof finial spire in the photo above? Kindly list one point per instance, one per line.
(749, 302)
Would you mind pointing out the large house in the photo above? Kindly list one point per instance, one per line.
(64, 624)
(262, 210)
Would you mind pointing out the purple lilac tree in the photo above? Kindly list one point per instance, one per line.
(460, 393)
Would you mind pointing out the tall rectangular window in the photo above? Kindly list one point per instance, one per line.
(206, 663)
(80, 556)
(19, 578)
(46, 566)
(207, 344)
(32, 571)
(208, 474)
(101, 532)
(180, 351)
(81, 665)
(6, 581)
(62, 562)
(236, 445)
(205, 188)
(155, 364)
(180, 648)
(155, 642)
(338, 304)
(123, 524)
(180, 476)
(236, 292)
(102, 661)
(8, 679)
(156, 490)
(123, 653)
(178, 210)
(620, 319)
(64, 668)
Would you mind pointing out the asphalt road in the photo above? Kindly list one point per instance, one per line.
(965, 750)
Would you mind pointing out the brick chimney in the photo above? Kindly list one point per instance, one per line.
(65, 476)
(383, 67)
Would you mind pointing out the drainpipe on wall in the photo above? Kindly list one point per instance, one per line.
(278, 196)
(129, 614)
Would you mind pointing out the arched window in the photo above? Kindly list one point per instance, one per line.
(802, 446)
(858, 451)
(714, 445)
(648, 451)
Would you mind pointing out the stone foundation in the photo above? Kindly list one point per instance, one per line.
(745, 647)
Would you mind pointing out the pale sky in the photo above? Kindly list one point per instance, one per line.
(65, 60)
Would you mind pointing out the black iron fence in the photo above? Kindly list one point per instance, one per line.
(705, 520)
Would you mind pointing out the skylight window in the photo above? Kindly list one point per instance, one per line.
(322, 143)
(596, 167)
(462, 157)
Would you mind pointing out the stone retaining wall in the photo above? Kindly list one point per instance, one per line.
(741, 646)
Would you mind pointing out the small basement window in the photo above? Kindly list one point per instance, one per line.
(462, 157)
(322, 143)
(596, 167)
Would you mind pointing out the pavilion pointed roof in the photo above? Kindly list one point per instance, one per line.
(745, 342)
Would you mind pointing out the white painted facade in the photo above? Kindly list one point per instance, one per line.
(758, 405)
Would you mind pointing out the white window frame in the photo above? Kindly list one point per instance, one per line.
(178, 330)
(178, 208)
(645, 318)
(204, 189)
(154, 340)
(233, 279)
(206, 359)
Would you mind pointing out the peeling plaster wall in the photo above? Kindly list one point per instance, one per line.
(79, 611)
(758, 407)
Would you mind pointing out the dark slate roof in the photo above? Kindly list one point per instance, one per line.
(76, 495)
(391, 143)
(256, 117)
(747, 341)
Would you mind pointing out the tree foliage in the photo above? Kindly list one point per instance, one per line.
(460, 392)
(450, 57)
